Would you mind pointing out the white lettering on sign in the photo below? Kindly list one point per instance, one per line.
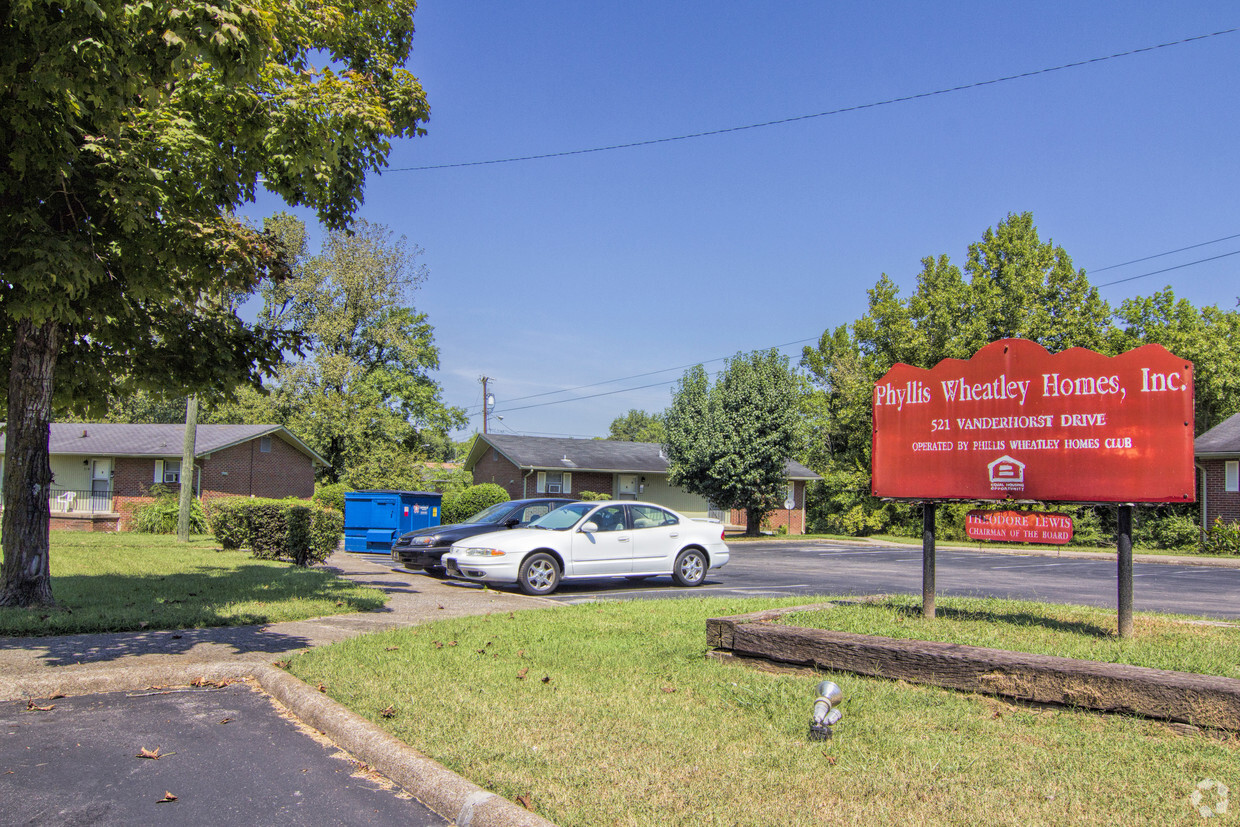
(1161, 382)
(1001, 388)
(1053, 385)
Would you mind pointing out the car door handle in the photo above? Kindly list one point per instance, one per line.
(623, 539)
(674, 534)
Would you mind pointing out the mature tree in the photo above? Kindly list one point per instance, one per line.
(1209, 338)
(637, 426)
(363, 396)
(731, 442)
(129, 133)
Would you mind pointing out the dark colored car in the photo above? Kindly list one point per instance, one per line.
(424, 548)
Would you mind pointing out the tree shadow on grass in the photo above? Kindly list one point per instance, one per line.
(199, 597)
(1018, 619)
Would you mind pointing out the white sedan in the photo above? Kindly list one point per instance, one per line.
(593, 539)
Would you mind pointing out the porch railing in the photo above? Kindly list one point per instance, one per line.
(75, 501)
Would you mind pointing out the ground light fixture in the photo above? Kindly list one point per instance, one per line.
(825, 714)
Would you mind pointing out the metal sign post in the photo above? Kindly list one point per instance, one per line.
(1124, 570)
(927, 560)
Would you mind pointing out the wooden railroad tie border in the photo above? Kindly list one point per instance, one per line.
(1201, 700)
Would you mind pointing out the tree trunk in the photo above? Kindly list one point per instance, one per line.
(26, 578)
(753, 521)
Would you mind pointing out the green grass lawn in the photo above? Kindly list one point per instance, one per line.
(123, 582)
(609, 713)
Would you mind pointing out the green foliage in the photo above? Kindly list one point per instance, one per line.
(730, 443)
(276, 529)
(593, 496)
(1222, 538)
(637, 426)
(330, 495)
(1166, 528)
(160, 516)
(469, 502)
(364, 398)
(134, 133)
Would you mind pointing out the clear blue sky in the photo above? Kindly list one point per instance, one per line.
(552, 274)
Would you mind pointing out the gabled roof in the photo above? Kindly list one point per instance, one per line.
(1222, 439)
(105, 439)
(552, 453)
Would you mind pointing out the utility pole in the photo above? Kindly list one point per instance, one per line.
(487, 402)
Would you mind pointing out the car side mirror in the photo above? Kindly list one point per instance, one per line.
(589, 527)
(512, 522)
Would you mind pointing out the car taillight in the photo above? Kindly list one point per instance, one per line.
(722, 533)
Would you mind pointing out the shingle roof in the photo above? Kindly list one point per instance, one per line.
(101, 439)
(590, 455)
(1223, 438)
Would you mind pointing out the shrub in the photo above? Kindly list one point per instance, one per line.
(1172, 531)
(290, 529)
(591, 496)
(1221, 538)
(160, 516)
(471, 501)
(330, 495)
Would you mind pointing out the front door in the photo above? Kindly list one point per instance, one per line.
(626, 486)
(607, 550)
(101, 485)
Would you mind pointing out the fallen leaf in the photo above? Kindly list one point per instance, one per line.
(669, 689)
(512, 616)
(282, 664)
(55, 696)
(524, 801)
(452, 643)
(520, 653)
(322, 688)
(168, 798)
(31, 706)
(482, 651)
(437, 644)
(153, 754)
(546, 679)
(339, 602)
(226, 720)
(143, 624)
(830, 759)
(390, 712)
(521, 674)
(441, 606)
(391, 648)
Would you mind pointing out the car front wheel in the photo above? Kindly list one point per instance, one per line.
(539, 574)
(690, 568)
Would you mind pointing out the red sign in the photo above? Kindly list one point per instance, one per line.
(1018, 422)
(1018, 527)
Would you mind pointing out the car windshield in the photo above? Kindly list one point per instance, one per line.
(494, 515)
(563, 518)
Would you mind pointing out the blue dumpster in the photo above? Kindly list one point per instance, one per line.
(374, 519)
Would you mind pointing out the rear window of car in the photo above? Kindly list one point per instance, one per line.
(647, 516)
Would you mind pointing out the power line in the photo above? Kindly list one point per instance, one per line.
(796, 118)
(640, 376)
(1160, 255)
(1169, 269)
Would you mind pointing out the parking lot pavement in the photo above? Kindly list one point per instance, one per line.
(227, 755)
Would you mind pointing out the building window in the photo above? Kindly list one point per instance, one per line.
(554, 482)
(172, 470)
(1231, 475)
(264, 444)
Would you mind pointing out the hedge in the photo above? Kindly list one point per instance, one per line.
(289, 529)
(160, 516)
(469, 502)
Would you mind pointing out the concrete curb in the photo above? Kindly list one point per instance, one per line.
(440, 789)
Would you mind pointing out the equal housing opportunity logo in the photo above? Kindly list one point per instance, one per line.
(1007, 474)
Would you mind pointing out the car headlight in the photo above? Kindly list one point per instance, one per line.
(482, 552)
(422, 541)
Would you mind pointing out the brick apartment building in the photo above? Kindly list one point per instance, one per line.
(1217, 453)
(102, 471)
(527, 466)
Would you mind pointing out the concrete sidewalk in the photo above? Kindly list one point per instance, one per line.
(74, 665)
